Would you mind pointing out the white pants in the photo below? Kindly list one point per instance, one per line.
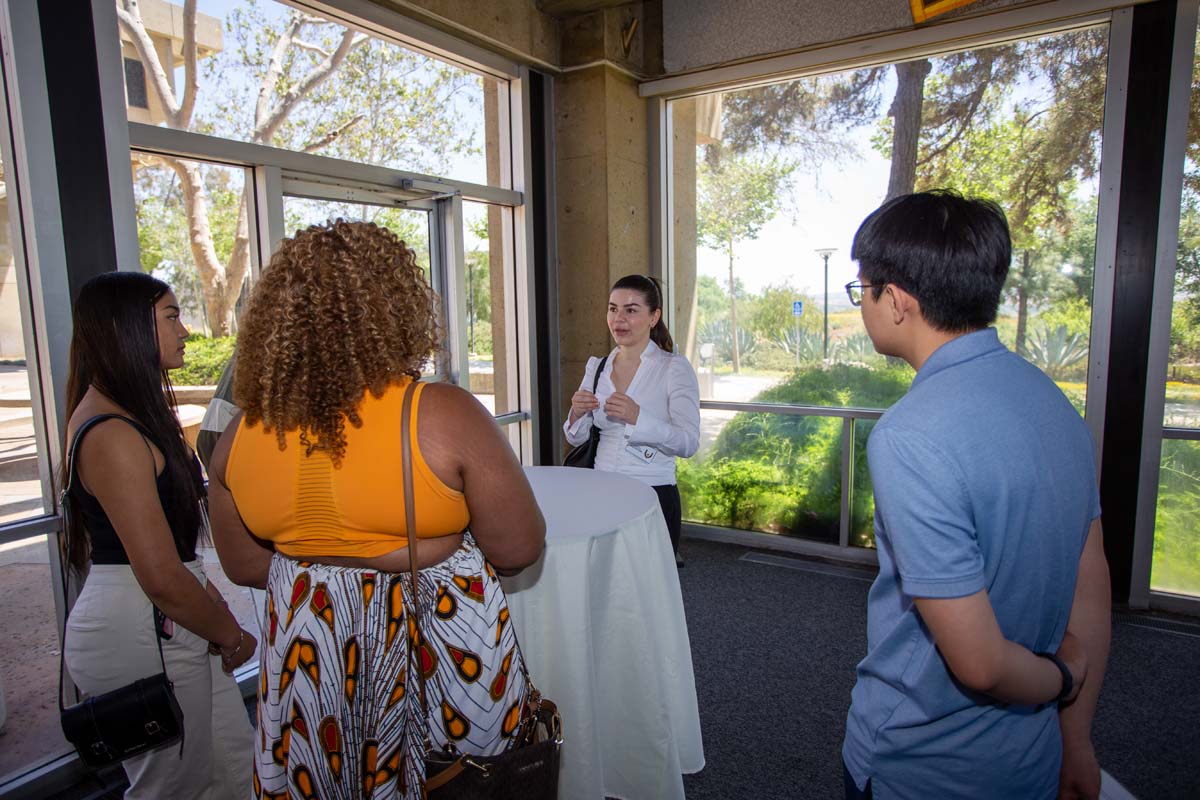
(110, 642)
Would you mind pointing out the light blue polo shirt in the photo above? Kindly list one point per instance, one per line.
(984, 477)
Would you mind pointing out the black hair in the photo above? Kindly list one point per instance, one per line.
(949, 252)
(114, 347)
(649, 289)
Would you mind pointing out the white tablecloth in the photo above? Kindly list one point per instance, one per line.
(600, 621)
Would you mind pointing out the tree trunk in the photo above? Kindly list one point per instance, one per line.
(1023, 302)
(220, 284)
(906, 125)
(733, 329)
(211, 270)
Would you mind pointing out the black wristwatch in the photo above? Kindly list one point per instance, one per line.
(1068, 682)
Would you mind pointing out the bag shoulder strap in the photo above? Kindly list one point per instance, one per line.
(410, 528)
(599, 369)
(64, 504)
(413, 564)
(83, 429)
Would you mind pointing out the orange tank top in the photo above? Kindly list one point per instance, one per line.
(308, 508)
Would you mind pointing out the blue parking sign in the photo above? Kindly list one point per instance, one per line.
(797, 308)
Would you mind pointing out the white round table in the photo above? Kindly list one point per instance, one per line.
(600, 621)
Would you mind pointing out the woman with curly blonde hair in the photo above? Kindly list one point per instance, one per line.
(307, 502)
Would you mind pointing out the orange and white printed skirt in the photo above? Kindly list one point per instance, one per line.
(339, 709)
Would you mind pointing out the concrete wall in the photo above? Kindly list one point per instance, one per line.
(517, 26)
(603, 205)
(705, 33)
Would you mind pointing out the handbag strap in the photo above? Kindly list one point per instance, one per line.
(410, 528)
(64, 503)
(599, 369)
(413, 564)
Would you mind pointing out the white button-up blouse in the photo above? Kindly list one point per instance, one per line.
(668, 398)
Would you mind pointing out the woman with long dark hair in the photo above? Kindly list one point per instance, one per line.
(136, 509)
(647, 400)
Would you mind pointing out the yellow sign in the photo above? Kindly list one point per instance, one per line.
(924, 10)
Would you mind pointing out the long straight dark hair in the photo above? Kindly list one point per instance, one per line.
(649, 289)
(114, 347)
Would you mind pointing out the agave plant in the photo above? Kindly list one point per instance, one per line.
(857, 349)
(806, 346)
(718, 333)
(1056, 350)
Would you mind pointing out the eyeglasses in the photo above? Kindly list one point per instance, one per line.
(854, 290)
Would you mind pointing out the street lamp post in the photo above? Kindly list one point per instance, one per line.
(825, 253)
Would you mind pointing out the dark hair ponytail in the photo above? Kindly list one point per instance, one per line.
(649, 289)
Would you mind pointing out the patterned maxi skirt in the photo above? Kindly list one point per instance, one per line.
(339, 709)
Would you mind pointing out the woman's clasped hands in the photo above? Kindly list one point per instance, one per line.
(619, 406)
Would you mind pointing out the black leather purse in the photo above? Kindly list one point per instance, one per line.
(143, 715)
(528, 769)
(584, 455)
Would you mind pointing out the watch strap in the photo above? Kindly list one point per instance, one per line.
(1068, 681)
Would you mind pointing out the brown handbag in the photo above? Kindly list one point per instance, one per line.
(528, 769)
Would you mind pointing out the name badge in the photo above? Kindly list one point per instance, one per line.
(641, 452)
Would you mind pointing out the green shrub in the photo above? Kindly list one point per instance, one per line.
(1184, 373)
(1056, 351)
(781, 472)
(770, 357)
(1073, 313)
(481, 345)
(805, 347)
(858, 349)
(204, 360)
(718, 332)
(1176, 564)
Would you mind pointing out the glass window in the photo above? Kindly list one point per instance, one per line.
(1176, 564)
(769, 184)
(411, 225)
(287, 77)
(21, 491)
(193, 233)
(775, 473)
(28, 628)
(489, 306)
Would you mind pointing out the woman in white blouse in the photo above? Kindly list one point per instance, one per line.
(647, 401)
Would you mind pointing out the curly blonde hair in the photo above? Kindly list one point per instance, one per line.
(342, 309)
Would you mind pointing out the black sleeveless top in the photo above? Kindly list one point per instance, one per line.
(106, 546)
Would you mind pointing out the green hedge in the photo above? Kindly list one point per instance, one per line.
(1176, 565)
(782, 473)
(204, 360)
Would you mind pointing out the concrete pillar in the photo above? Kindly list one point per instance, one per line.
(603, 205)
(683, 225)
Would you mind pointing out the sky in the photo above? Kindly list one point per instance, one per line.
(826, 212)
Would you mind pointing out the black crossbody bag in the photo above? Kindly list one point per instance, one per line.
(140, 716)
(584, 455)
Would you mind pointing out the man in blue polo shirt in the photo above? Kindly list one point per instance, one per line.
(988, 626)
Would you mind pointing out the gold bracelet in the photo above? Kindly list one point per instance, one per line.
(236, 650)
